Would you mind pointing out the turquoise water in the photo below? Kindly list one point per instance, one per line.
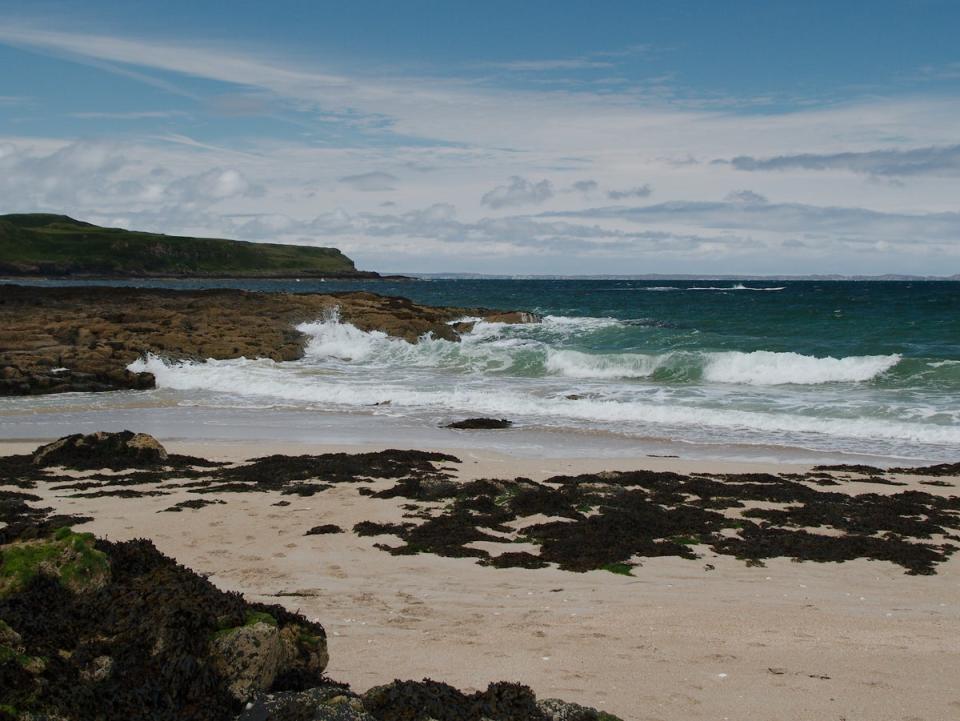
(868, 367)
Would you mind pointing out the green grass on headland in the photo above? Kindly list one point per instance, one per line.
(40, 244)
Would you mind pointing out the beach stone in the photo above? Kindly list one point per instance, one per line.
(249, 657)
(304, 654)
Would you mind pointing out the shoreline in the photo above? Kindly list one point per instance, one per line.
(680, 639)
(310, 429)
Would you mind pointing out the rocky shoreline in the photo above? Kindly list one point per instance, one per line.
(69, 339)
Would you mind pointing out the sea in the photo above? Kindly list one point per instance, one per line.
(774, 370)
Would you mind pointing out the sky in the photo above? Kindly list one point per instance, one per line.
(500, 137)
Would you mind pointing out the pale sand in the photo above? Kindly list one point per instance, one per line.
(859, 641)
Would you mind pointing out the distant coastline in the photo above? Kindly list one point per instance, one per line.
(43, 245)
(683, 276)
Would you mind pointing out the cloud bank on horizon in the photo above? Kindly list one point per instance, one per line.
(593, 143)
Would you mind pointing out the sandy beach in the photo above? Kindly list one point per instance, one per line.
(711, 638)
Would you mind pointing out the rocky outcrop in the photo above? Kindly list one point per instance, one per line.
(149, 640)
(55, 340)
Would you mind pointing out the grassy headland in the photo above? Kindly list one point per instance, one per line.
(41, 244)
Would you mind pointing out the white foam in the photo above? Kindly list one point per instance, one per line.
(264, 379)
(737, 286)
(574, 364)
(765, 368)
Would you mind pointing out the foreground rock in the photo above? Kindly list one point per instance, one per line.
(100, 630)
(115, 631)
(55, 340)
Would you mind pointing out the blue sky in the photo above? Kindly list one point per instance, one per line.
(553, 137)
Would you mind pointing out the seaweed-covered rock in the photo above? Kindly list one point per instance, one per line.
(152, 641)
(102, 450)
(480, 424)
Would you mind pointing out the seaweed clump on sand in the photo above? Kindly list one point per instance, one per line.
(140, 466)
(306, 475)
(608, 520)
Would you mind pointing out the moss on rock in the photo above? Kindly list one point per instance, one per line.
(65, 556)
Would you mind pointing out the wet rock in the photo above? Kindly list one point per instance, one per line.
(59, 339)
(513, 317)
(481, 423)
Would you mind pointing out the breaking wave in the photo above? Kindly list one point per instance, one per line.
(531, 372)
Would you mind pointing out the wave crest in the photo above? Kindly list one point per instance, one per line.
(765, 368)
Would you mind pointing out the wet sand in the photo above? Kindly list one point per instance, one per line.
(860, 641)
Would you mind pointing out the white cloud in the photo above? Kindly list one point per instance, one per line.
(518, 191)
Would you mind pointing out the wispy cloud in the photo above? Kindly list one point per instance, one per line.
(548, 65)
(519, 191)
(640, 191)
(833, 224)
(132, 115)
(933, 160)
(371, 182)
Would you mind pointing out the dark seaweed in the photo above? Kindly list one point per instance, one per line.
(324, 529)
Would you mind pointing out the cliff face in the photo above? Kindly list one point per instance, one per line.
(55, 340)
(43, 244)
